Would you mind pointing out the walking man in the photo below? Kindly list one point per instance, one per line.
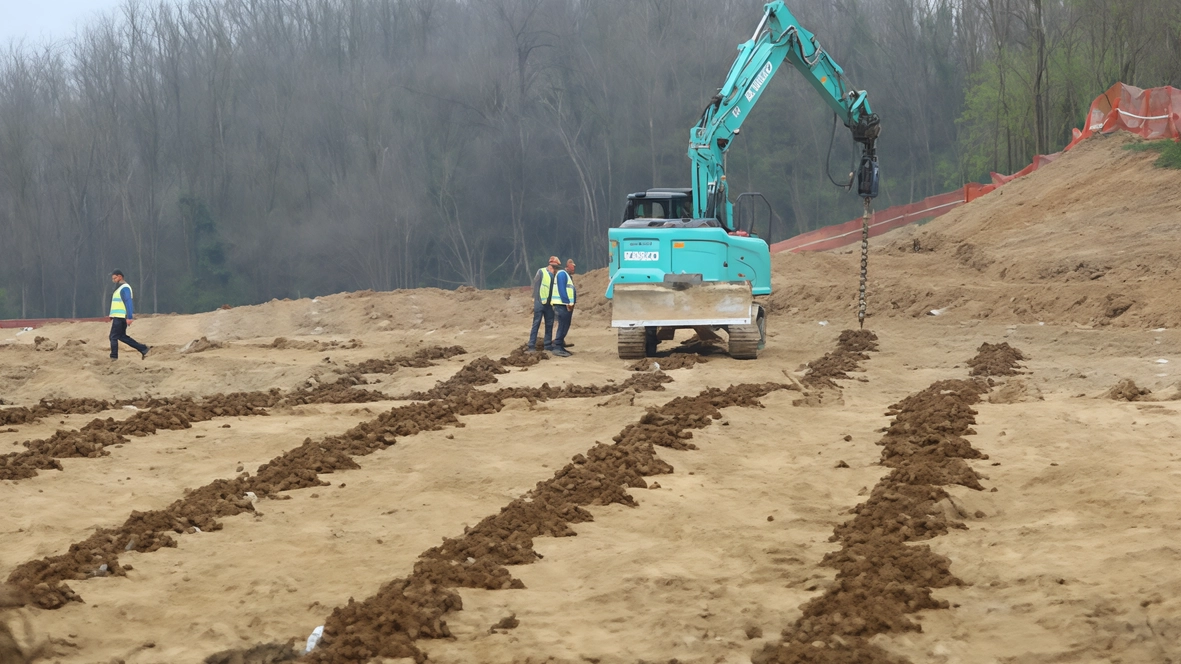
(122, 313)
(543, 295)
(563, 310)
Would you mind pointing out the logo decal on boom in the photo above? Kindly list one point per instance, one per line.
(759, 81)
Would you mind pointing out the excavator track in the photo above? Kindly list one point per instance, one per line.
(632, 342)
(744, 342)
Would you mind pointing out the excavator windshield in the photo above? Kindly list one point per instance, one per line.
(660, 204)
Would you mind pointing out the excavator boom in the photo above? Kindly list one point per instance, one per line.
(679, 259)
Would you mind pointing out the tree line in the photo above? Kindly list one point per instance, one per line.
(234, 151)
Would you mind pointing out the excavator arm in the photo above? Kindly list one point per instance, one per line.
(779, 38)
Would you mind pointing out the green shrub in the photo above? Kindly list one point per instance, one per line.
(1170, 152)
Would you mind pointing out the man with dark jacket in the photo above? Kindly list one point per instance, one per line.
(122, 313)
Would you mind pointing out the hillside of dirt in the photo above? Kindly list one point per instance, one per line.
(1089, 239)
(985, 473)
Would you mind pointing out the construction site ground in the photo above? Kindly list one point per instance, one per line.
(1068, 550)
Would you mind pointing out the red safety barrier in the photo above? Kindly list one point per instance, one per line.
(1039, 160)
(831, 237)
(1152, 114)
(38, 322)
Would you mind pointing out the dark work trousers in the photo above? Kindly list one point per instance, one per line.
(540, 312)
(564, 315)
(119, 333)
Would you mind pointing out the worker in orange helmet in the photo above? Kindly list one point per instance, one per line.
(544, 291)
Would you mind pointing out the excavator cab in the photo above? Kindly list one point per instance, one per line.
(656, 207)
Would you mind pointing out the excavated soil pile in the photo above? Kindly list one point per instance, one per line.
(521, 357)
(411, 608)
(345, 390)
(1127, 390)
(419, 360)
(49, 407)
(481, 371)
(646, 382)
(881, 577)
(180, 413)
(851, 348)
(675, 360)
(819, 382)
(200, 346)
(996, 360)
(299, 468)
(44, 344)
(283, 343)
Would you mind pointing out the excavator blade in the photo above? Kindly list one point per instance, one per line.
(681, 305)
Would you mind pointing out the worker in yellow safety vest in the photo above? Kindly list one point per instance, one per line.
(564, 307)
(122, 313)
(544, 295)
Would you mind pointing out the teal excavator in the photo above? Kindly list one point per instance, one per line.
(680, 259)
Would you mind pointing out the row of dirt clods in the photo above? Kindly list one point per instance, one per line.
(45, 580)
(404, 610)
(154, 414)
(387, 624)
(882, 576)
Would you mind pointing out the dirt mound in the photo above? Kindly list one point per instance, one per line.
(200, 346)
(50, 407)
(481, 371)
(850, 352)
(674, 360)
(521, 357)
(1127, 390)
(44, 344)
(996, 360)
(283, 343)
(1016, 391)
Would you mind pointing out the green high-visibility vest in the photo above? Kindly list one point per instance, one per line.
(118, 310)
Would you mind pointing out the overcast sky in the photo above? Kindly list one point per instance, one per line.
(44, 20)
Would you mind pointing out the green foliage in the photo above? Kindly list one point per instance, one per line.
(6, 308)
(991, 119)
(997, 126)
(1170, 152)
(210, 282)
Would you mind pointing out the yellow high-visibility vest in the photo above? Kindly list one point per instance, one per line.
(117, 308)
(570, 288)
(546, 290)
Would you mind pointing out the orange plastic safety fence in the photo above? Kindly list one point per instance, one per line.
(1154, 114)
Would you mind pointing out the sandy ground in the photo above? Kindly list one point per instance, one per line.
(1075, 557)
